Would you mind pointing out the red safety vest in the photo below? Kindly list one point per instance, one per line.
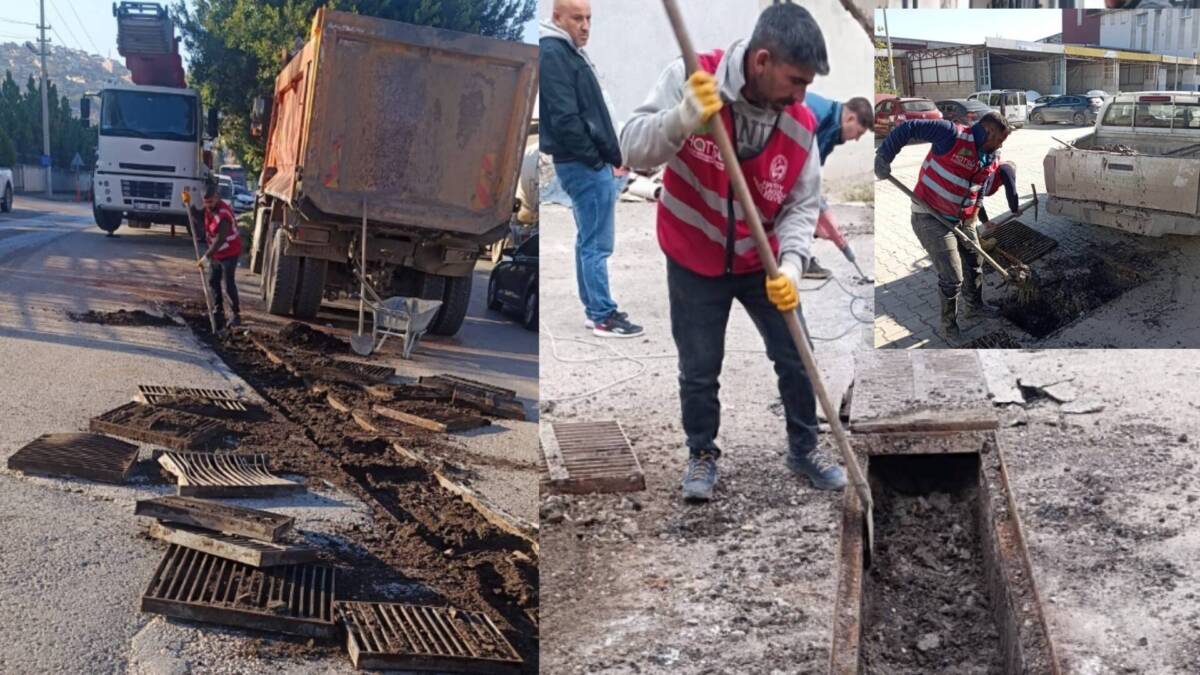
(694, 228)
(232, 246)
(950, 183)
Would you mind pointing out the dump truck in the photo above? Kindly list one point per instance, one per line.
(1137, 171)
(151, 142)
(416, 130)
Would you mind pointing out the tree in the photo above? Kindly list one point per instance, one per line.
(883, 83)
(8, 154)
(238, 46)
(21, 126)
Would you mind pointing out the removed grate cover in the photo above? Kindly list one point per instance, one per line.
(994, 340)
(351, 372)
(227, 518)
(222, 399)
(394, 636)
(210, 474)
(583, 457)
(483, 397)
(89, 456)
(160, 426)
(234, 547)
(292, 599)
(1021, 243)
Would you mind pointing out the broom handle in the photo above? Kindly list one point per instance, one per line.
(742, 191)
(208, 303)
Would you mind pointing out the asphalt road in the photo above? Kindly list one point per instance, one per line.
(73, 565)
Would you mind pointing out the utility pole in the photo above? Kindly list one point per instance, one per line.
(45, 102)
(891, 65)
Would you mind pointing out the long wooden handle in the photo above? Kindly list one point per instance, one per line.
(208, 302)
(742, 191)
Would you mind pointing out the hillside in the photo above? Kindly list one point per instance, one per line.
(71, 70)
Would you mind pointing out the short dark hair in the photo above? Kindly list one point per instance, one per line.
(789, 33)
(863, 112)
(996, 121)
(211, 190)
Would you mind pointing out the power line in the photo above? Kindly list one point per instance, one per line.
(65, 25)
(23, 23)
(83, 27)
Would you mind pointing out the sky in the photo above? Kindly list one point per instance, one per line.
(970, 26)
(86, 24)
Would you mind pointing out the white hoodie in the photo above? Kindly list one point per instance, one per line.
(549, 29)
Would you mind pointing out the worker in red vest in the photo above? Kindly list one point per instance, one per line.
(224, 249)
(963, 165)
(756, 89)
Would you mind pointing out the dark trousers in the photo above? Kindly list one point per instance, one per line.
(955, 262)
(218, 270)
(699, 314)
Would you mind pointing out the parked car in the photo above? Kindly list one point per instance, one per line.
(6, 190)
(961, 110)
(239, 199)
(1079, 110)
(1012, 103)
(892, 110)
(513, 285)
(1040, 101)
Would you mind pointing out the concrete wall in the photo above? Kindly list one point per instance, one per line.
(632, 42)
(937, 92)
(1013, 75)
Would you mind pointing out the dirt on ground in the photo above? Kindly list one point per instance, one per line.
(926, 608)
(122, 317)
(422, 537)
(302, 335)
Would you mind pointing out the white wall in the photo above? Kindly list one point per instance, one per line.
(1166, 31)
(631, 43)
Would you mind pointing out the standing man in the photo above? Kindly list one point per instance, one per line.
(577, 131)
(224, 249)
(961, 163)
(836, 124)
(756, 89)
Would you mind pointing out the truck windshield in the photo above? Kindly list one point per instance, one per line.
(136, 114)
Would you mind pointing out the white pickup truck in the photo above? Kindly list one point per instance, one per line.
(1138, 171)
(6, 190)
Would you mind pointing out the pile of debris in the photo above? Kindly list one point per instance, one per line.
(643, 186)
(1117, 148)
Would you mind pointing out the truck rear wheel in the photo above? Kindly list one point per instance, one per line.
(311, 288)
(6, 200)
(281, 277)
(455, 298)
(108, 221)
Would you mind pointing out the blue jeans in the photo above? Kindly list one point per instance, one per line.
(594, 200)
(699, 313)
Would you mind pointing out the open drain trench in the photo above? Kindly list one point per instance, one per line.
(950, 588)
(422, 533)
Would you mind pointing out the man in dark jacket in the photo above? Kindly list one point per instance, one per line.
(577, 131)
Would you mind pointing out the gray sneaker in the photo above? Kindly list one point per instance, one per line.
(822, 471)
(589, 324)
(701, 477)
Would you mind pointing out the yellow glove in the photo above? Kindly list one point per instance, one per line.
(701, 100)
(186, 197)
(781, 290)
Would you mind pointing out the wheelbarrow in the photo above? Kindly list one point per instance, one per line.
(405, 318)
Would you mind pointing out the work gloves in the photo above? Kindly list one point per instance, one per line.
(883, 169)
(701, 100)
(782, 290)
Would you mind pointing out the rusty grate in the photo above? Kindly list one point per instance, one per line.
(584, 457)
(386, 636)
(210, 474)
(352, 372)
(168, 428)
(484, 397)
(232, 546)
(995, 340)
(211, 515)
(89, 456)
(223, 399)
(292, 599)
(1022, 243)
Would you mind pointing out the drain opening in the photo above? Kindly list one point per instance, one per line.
(1068, 289)
(926, 606)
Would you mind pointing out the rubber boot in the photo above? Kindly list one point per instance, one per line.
(950, 319)
(975, 308)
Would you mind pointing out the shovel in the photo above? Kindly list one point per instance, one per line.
(363, 344)
(742, 190)
(208, 302)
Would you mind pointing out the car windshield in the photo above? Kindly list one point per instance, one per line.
(918, 106)
(137, 114)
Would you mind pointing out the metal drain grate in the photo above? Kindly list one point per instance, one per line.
(1022, 242)
(995, 340)
(180, 431)
(386, 636)
(89, 456)
(293, 599)
(222, 399)
(484, 397)
(232, 546)
(584, 457)
(211, 515)
(209, 474)
(351, 372)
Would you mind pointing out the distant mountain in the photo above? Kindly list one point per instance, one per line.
(72, 71)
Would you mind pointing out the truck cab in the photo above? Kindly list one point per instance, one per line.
(1137, 171)
(149, 149)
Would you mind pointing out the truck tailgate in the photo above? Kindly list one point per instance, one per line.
(428, 125)
(1138, 181)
